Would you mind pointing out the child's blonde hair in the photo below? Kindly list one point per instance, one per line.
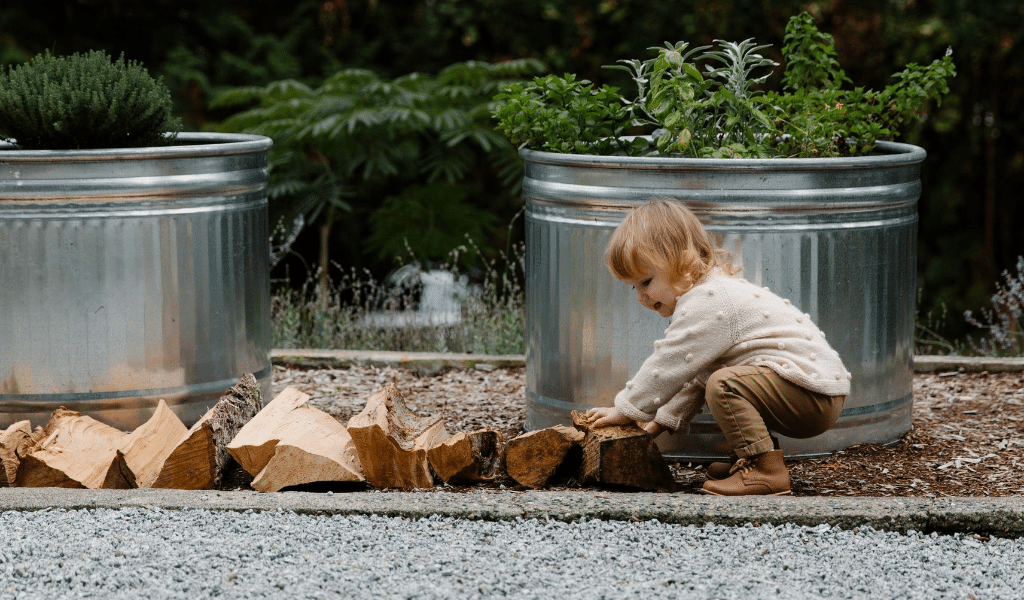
(665, 235)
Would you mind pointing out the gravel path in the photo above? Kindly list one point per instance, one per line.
(152, 553)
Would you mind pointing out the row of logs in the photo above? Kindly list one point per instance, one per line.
(289, 443)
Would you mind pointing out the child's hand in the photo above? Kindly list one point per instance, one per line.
(606, 416)
(653, 428)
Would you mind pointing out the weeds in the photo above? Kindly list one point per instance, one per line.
(357, 312)
(1004, 322)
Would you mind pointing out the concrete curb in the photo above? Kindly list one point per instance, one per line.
(432, 362)
(421, 362)
(1001, 517)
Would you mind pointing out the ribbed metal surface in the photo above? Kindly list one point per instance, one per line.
(127, 276)
(838, 237)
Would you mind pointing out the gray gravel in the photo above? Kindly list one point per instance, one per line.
(194, 553)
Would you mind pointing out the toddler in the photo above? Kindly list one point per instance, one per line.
(760, 364)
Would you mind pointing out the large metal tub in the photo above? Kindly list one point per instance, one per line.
(133, 275)
(836, 236)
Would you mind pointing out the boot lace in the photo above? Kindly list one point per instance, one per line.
(741, 465)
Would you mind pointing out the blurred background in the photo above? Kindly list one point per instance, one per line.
(381, 188)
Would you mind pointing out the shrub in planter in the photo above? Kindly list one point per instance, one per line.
(84, 101)
(134, 270)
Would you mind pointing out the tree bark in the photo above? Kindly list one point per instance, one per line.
(16, 442)
(467, 457)
(622, 456)
(538, 458)
(199, 458)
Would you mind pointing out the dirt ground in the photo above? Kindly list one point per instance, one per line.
(967, 437)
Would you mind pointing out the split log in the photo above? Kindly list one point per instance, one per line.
(291, 443)
(16, 442)
(77, 452)
(392, 441)
(622, 456)
(467, 457)
(199, 458)
(146, 449)
(538, 458)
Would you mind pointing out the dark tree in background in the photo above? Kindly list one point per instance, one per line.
(971, 225)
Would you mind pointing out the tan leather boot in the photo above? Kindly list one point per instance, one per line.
(761, 475)
(718, 470)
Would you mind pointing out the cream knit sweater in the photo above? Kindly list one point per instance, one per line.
(723, 322)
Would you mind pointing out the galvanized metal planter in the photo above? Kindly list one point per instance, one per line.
(133, 275)
(836, 236)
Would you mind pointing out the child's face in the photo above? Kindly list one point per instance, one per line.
(654, 291)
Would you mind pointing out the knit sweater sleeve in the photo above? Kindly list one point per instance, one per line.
(677, 413)
(701, 331)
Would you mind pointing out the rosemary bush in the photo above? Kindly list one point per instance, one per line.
(84, 101)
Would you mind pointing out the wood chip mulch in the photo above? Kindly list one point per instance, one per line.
(967, 437)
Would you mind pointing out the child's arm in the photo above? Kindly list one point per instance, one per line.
(700, 332)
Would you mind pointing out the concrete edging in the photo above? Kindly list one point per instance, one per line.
(1001, 517)
(433, 362)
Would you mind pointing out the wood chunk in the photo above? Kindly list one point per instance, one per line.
(392, 441)
(291, 443)
(467, 457)
(534, 459)
(199, 458)
(77, 452)
(147, 448)
(16, 442)
(622, 456)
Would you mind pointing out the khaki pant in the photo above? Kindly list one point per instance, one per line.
(748, 402)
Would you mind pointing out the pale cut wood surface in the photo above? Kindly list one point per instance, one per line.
(77, 452)
(392, 441)
(290, 443)
(147, 448)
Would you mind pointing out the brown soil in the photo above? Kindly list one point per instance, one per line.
(967, 437)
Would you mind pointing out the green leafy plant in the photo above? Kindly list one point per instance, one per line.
(562, 114)
(84, 101)
(343, 151)
(709, 102)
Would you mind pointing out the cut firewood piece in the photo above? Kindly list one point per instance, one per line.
(16, 442)
(147, 448)
(392, 441)
(291, 443)
(467, 457)
(199, 458)
(622, 456)
(538, 458)
(77, 452)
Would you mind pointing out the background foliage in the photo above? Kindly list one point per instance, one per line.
(971, 218)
